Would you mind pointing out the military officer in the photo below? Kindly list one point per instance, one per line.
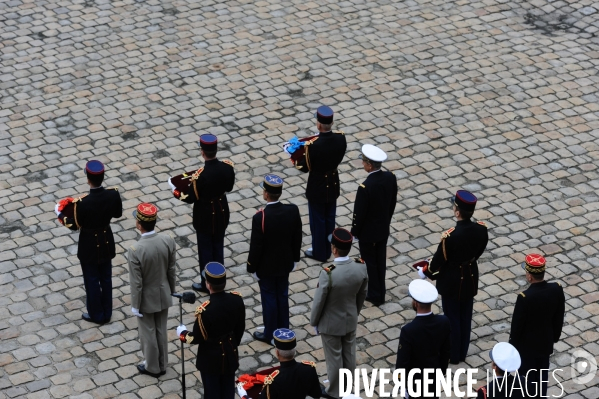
(373, 210)
(275, 247)
(338, 299)
(454, 267)
(293, 380)
(96, 248)
(152, 278)
(207, 193)
(537, 324)
(424, 342)
(322, 156)
(217, 330)
(504, 360)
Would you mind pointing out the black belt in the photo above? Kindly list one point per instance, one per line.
(96, 230)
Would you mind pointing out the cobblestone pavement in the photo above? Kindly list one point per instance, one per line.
(497, 97)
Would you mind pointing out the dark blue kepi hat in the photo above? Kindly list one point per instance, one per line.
(464, 200)
(208, 142)
(272, 184)
(284, 339)
(341, 238)
(324, 115)
(94, 167)
(215, 273)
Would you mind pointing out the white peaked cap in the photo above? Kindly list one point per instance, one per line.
(423, 291)
(373, 153)
(506, 357)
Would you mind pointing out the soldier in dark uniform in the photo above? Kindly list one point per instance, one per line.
(293, 380)
(424, 342)
(373, 210)
(537, 324)
(274, 250)
(210, 207)
(454, 267)
(500, 383)
(92, 214)
(322, 156)
(217, 330)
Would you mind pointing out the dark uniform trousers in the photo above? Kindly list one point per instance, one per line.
(536, 326)
(455, 269)
(217, 330)
(373, 211)
(295, 381)
(275, 245)
(322, 156)
(210, 209)
(96, 247)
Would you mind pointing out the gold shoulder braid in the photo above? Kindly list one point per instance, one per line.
(236, 293)
(268, 380)
(444, 235)
(196, 174)
(308, 363)
(339, 131)
(230, 163)
(198, 313)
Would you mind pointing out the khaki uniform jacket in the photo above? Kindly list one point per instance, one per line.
(152, 273)
(339, 298)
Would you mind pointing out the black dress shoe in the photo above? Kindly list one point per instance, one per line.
(310, 254)
(86, 317)
(163, 372)
(261, 337)
(375, 303)
(324, 394)
(142, 369)
(199, 288)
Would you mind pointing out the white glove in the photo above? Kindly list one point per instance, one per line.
(254, 275)
(173, 188)
(316, 330)
(294, 266)
(56, 211)
(181, 328)
(240, 391)
(421, 273)
(136, 312)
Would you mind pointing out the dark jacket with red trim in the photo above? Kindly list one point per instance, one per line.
(454, 266)
(207, 194)
(321, 158)
(295, 381)
(538, 319)
(276, 240)
(217, 330)
(93, 213)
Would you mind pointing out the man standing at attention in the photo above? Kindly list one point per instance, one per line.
(96, 249)
(207, 193)
(373, 210)
(322, 156)
(338, 299)
(274, 250)
(454, 266)
(537, 325)
(152, 278)
(424, 342)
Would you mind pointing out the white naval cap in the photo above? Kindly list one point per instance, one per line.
(423, 291)
(505, 356)
(373, 153)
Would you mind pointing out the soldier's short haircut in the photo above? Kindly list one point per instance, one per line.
(326, 126)
(286, 354)
(274, 197)
(147, 226)
(538, 276)
(343, 252)
(95, 180)
(210, 154)
(218, 287)
(465, 214)
(376, 165)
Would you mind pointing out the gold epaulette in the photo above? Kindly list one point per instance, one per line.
(230, 163)
(114, 188)
(363, 186)
(329, 269)
(523, 296)
(446, 234)
(197, 174)
(339, 131)
(481, 223)
(268, 380)
(308, 363)
(558, 283)
(80, 198)
(310, 141)
(236, 293)
(201, 308)
(359, 260)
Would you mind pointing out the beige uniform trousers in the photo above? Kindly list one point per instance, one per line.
(339, 352)
(152, 334)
